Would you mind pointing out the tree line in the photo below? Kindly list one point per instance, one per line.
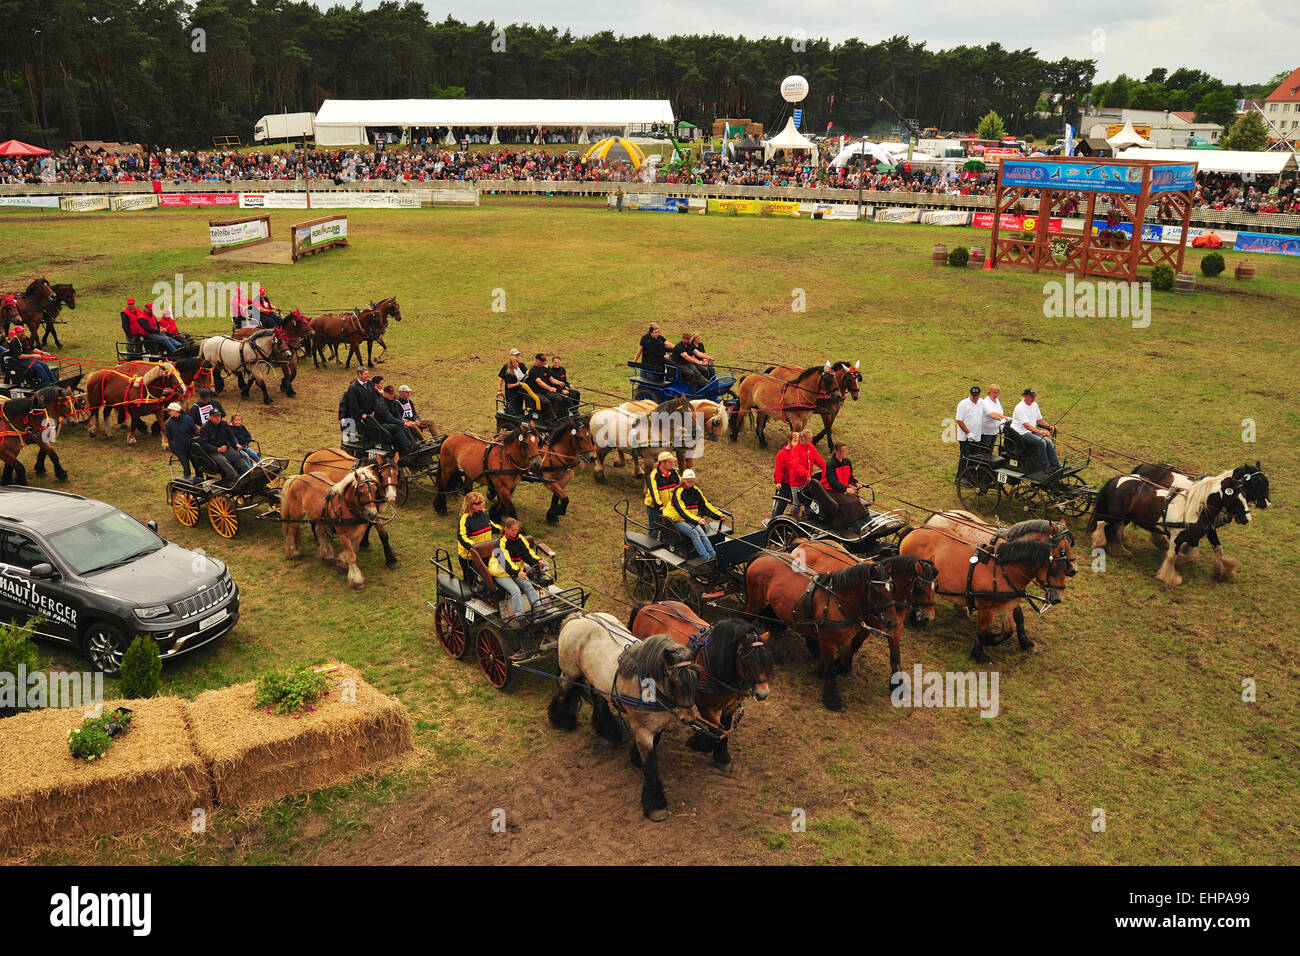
(172, 73)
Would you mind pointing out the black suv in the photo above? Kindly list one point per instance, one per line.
(97, 577)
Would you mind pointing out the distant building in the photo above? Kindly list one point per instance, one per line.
(1282, 108)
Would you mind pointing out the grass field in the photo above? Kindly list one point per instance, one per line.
(1131, 703)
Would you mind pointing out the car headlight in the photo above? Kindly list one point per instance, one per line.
(150, 613)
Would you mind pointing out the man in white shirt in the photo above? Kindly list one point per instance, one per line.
(1027, 421)
(969, 417)
(992, 416)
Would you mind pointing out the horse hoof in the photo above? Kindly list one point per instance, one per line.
(40, 473)
(728, 768)
(1027, 646)
(295, 557)
(657, 816)
(833, 702)
(393, 565)
(365, 546)
(732, 437)
(550, 520)
(358, 586)
(62, 477)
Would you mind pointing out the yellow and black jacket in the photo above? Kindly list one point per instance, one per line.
(659, 488)
(519, 554)
(475, 528)
(690, 505)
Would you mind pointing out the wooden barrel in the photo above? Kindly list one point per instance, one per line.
(939, 254)
(1185, 283)
(976, 260)
(1245, 270)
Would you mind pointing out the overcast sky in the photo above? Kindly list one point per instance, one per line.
(1244, 41)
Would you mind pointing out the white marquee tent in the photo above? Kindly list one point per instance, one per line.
(345, 122)
(1127, 137)
(789, 139)
(1221, 160)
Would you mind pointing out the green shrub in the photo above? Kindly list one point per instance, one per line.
(1212, 264)
(291, 691)
(17, 650)
(959, 256)
(1162, 278)
(141, 669)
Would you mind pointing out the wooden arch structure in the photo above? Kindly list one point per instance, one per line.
(1130, 184)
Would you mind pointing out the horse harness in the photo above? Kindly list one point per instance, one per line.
(986, 552)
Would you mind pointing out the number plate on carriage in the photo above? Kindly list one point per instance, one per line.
(469, 614)
(213, 619)
(1002, 477)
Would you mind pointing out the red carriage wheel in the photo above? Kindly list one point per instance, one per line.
(493, 656)
(449, 620)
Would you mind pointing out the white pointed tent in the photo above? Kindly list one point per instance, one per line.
(1127, 137)
(789, 139)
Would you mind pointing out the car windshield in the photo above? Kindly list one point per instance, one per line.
(106, 541)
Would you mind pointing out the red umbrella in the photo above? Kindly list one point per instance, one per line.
(12, 147)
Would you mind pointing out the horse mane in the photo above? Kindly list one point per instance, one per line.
(342, 485)
(34, 286)
(1197, 496)
(854, 577)
(671, 407)
(810, 370)
(1016, 552)
(652, 657)
(724, 638)
(900, 563)
(190, 364)
(560, 429)
(1030, 526)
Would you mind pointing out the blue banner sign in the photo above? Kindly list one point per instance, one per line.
(1150, 231)
(1172, 179)
(1265, 243)
(1054, 174)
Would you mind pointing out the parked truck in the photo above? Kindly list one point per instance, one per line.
(285, 126)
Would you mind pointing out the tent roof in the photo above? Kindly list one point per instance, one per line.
(790, 138)
(462, 113)
(1221, 160)
(1128, 136)
(12, 147)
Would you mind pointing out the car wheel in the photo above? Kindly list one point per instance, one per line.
(104, 646)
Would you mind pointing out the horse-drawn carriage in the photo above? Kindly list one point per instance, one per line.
(256, 490)
(368, 440)
(509, 417)
(469, 607)
(985, 479)
(869, 538)
(17, 385)
(663, 384)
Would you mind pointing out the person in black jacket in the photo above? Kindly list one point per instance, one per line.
(218, 441)
(203, 407)
(388, 413)
(358, 402)
(180, 431)
(539, 380)
(653, 350)
(559, 377)
(842, 488)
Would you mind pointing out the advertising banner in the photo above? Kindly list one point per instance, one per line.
(318, 234)
(897, 214)
(273, 200)
(171, 200)
(1268, 244)
(1055, 174)
(1142, 129)
(1170, 179)
(225, 235)
(342, 200)
(1012, 221)
(753, 207)
(1150, 231)
(83, 203)
(946, 217)
(31, 202)
(134, 201)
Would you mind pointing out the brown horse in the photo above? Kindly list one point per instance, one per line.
(28, 307)
(195, 372)
(499, 463)
(915, 581)
(351, 329)
(293, 332)
(64, 294)
(343, 508)
(734, 663)
(793, 399)
(990, 578)
(333, 464)
(34, 420)
(567, 446)
(847, 377)
(827, 609)
(140, 388)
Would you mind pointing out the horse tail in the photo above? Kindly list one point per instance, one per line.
(636, 609)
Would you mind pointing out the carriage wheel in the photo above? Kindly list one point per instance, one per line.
(449, 620)
(1027, 498)
(223, 516)
(185, 506)
(781, 535)
(403, 488)
(678, 586)
(1073, 499)
(978, 489)
(643, 576)
(493, 656)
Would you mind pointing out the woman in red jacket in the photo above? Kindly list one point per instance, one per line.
(795, 465)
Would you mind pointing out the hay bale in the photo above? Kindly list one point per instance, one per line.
(150, 775)
(254, 757)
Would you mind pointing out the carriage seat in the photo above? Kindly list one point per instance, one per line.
(1013, 448)
(202, 462)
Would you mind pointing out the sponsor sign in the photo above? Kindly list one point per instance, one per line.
(897, 214)
(83, 203)
(224, 235)
(1142, 129)
(319, 234)
(24, 592)
(273, 200)
(1170, 179)
(1150, 231)
(1012, 221)
(998, 152)
(1174, 234)
(169, 200)
(753, 207)
(1269, 244)
(832, 210)
(946, 217)
(134, 201)
(648, 202)
(1055, 174)
(31, 202)
(347, 200)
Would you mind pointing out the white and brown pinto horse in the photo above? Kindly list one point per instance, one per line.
(253, 357)
(651, 683)
(643, 429)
